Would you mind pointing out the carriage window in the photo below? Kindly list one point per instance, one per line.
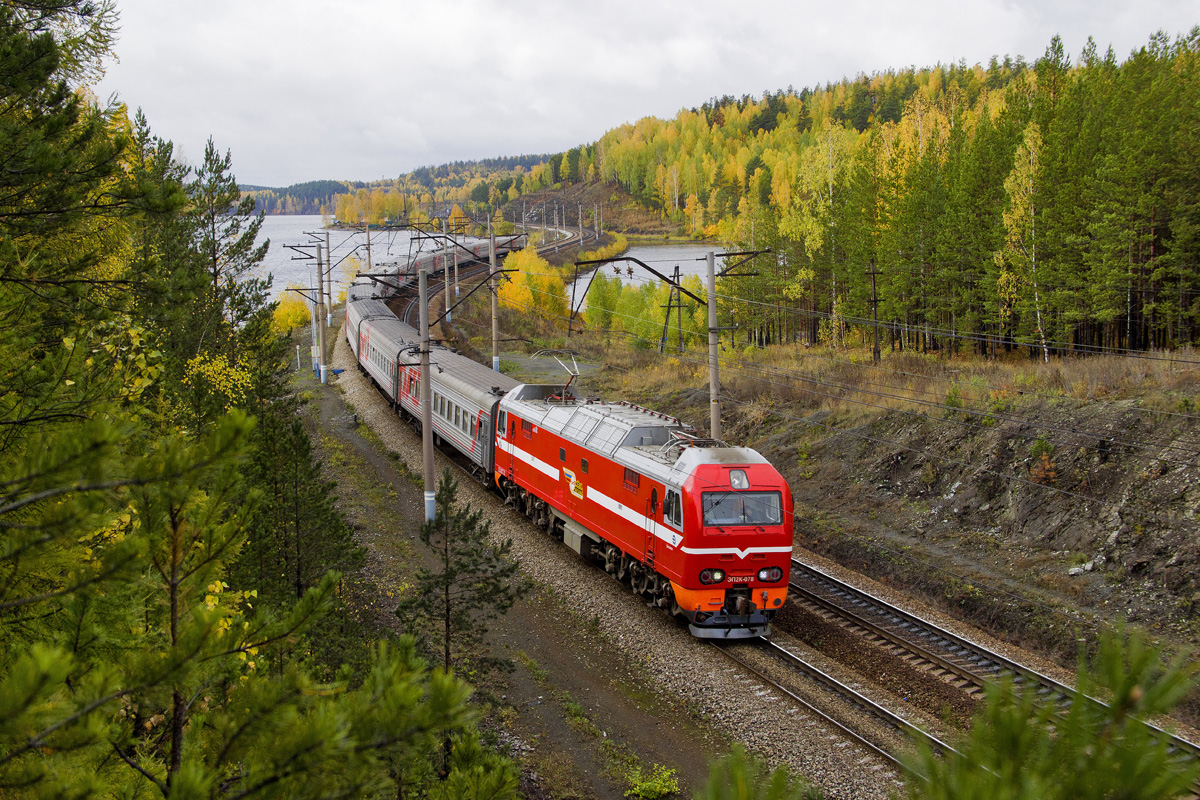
(632, 480)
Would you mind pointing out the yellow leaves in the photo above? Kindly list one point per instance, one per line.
(212, 599)
(458, 221)
(215, 372)
(113, 531)
(537, 287)
(290, 313)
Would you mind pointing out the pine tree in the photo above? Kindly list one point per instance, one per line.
(473, 582)
(1019, 749)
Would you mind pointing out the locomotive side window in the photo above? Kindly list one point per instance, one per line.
(673, 508)
(632, 480)
(503, 426)
(583, 466)
(562, 454)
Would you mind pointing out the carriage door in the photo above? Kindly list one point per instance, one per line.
(651, 519)
(504, 431)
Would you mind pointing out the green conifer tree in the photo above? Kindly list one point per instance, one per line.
(472, 583)
(1020, 749)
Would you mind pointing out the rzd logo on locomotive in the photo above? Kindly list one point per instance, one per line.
(576, 486)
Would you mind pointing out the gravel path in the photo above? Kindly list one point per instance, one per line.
(691, 672)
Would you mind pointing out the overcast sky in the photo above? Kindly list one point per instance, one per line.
(364, 89)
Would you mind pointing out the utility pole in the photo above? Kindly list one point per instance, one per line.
(322, 367)
(495, 302)
(329, 255)
(454, 245)
(874, 310)
(370, 267)
(426, 399)
(714, 382)
(671, 296)
(446, 273)
(678, 278)
(328, 284)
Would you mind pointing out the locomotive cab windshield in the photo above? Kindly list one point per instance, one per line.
(729, 508)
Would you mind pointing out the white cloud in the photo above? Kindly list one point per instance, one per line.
(300, 89)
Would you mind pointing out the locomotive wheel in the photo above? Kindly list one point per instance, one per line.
(612, 557)
(639, 579)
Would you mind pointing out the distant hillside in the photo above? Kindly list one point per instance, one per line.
(299, 198)
(309, 197)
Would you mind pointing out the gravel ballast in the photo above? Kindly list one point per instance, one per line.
(693, 673)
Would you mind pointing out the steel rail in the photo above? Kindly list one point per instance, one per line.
(984, 664)
(836, 687)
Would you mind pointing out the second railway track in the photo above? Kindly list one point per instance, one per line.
(925, 645)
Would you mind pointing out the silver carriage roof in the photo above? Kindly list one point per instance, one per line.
(470, 378)
(649, 441)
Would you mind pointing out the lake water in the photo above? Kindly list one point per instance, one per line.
(692, 259)
(288, 268)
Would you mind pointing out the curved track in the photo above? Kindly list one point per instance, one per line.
(925, 645)
(405, 300)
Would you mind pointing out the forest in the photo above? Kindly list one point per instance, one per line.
(310, 197)
(182, 608)
(1050, 205)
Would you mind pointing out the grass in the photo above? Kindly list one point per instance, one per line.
(621, 765)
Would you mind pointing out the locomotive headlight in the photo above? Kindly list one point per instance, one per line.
(708, 576)
(770, 574)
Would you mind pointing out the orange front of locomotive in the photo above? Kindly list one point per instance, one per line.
(737, 546)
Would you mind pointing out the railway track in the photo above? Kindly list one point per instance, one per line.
(925, 645)
(888, 719)
(405, 300)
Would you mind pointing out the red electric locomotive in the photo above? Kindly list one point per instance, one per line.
(696, 526)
